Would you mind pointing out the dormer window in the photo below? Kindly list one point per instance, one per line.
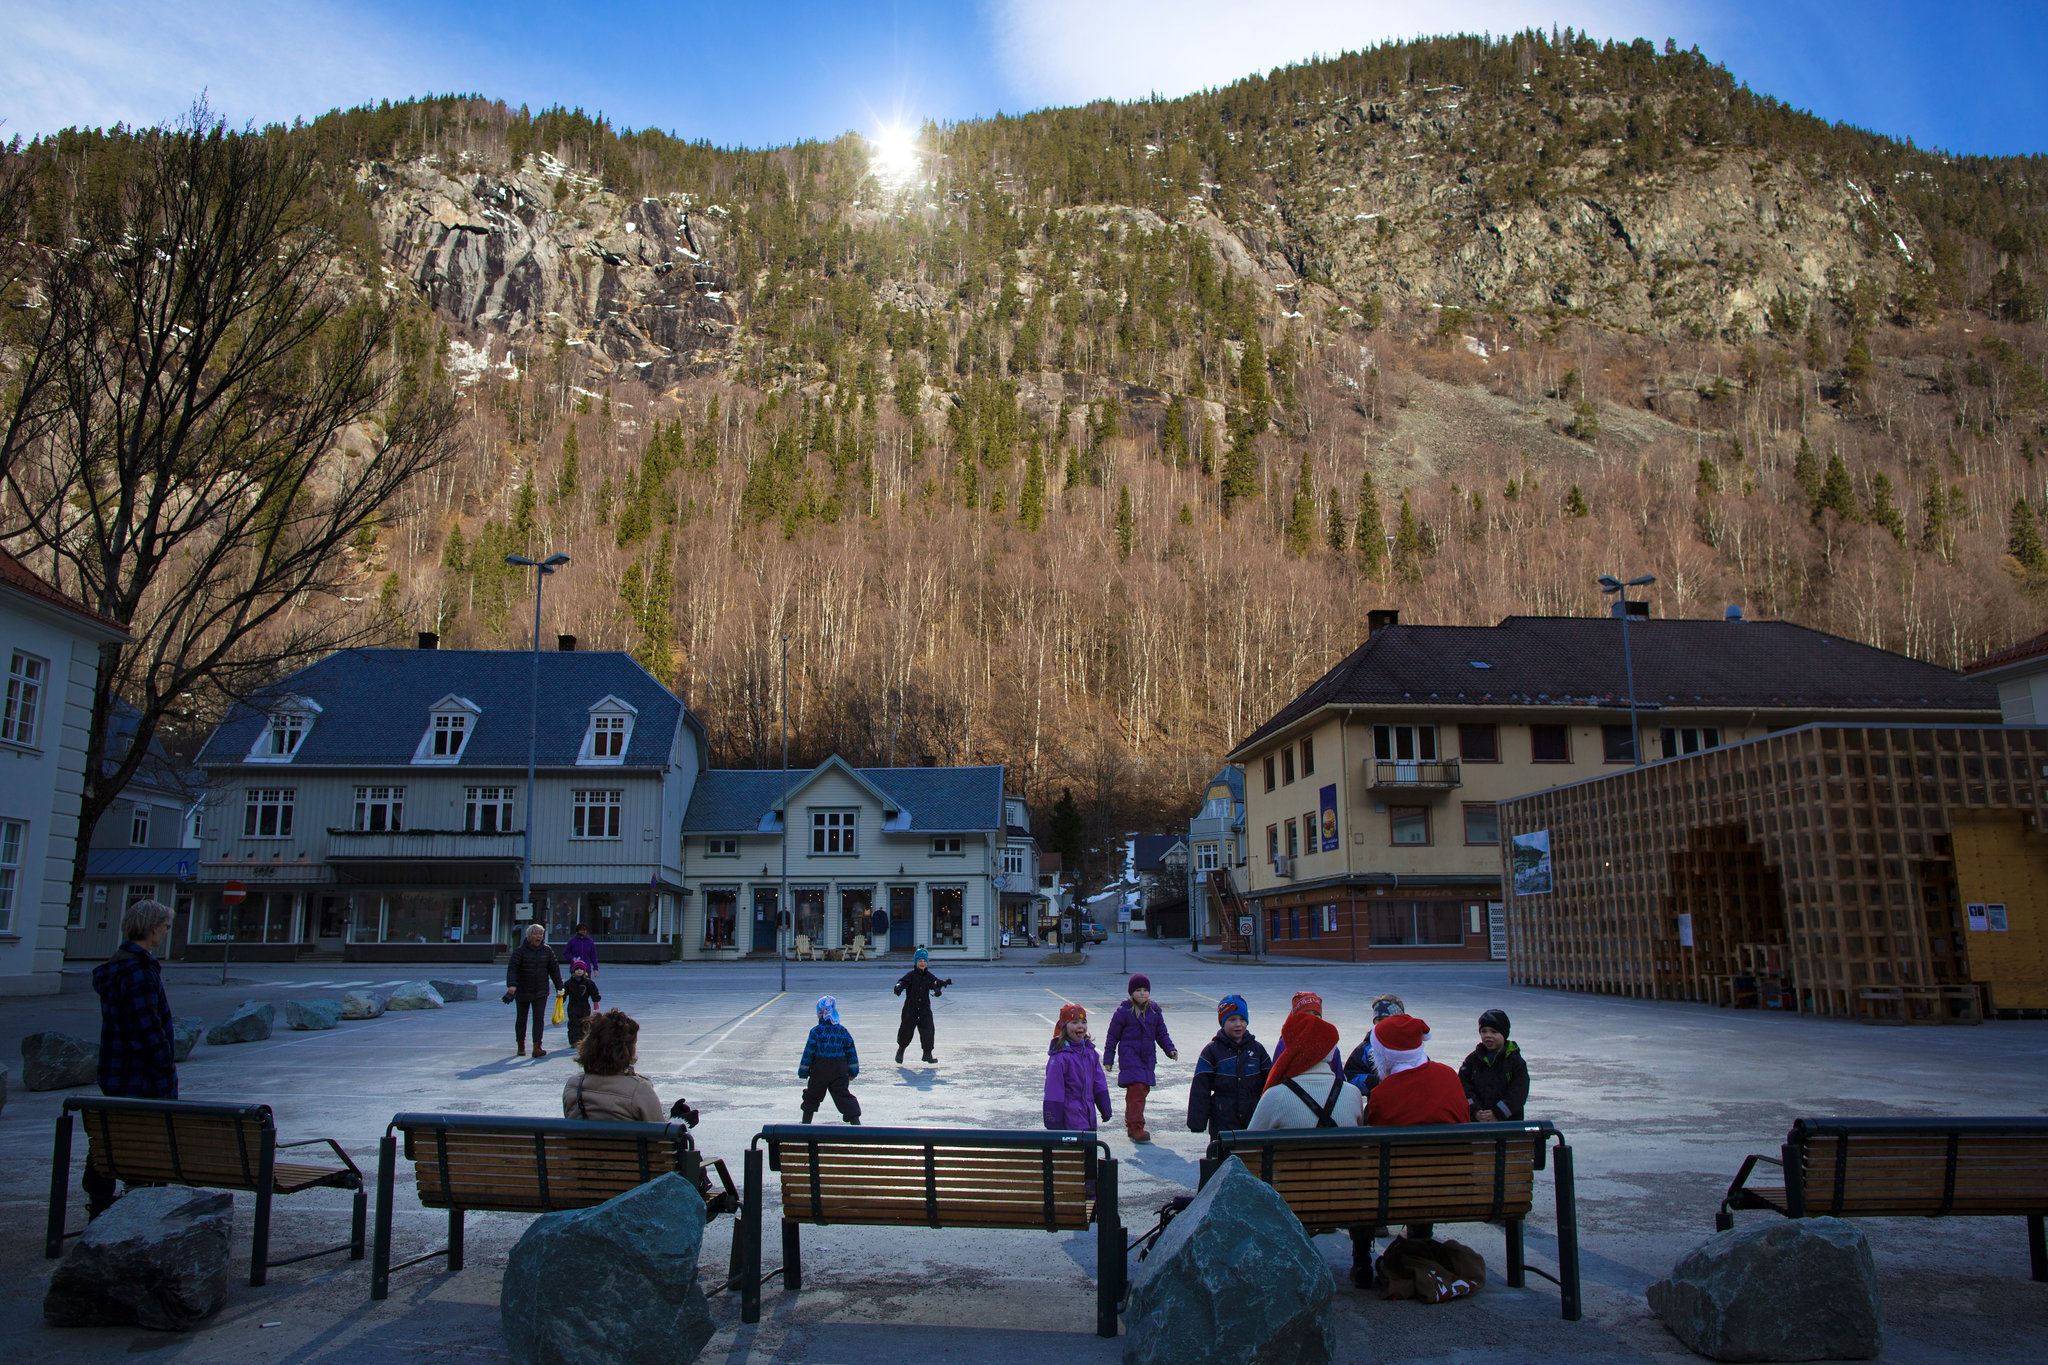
(284, 730)
(450, 722)
(610, 732)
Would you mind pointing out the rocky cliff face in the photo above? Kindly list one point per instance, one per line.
(543, 256)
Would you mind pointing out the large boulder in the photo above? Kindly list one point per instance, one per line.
(414, 995)
(250, 1023)
(185, 1035)
(362, 1004)
(312, 1014)
(452, 991)
(58, 1061)
(1789, 1289)
(616, 1283)
(1233, 1280)
(158, 1258)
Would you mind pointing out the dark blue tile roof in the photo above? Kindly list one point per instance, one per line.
(374, 707)
(730, 800)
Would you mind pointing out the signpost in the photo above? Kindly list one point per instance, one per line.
(231, 895)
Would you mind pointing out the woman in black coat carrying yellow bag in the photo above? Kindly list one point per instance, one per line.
(528, 974)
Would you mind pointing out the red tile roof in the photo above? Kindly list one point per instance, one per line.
(17, 575)
(2011, 654)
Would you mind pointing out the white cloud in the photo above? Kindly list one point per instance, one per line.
(1070, 51)
(98, 62)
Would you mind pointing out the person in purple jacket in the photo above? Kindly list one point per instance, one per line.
(1137, 1033)
(1076, 1087)
(582, 945)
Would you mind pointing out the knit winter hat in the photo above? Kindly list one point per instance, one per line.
(1068, 1014)
(1307, 1040)
(1384, 1005)
(828, 1010)
(1139, 982)
(921, 955)
(1233, 1004)
(1497, 1020)
(1308, 1000)
(577, 964)
(1397, 1043)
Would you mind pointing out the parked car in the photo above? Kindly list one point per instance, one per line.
(1091, 932)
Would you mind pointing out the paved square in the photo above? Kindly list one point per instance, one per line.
(1659, 1101)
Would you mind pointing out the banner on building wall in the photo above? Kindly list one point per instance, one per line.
(1531, 855)
(1329, 820)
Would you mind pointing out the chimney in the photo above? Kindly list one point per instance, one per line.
(1379, 618)
(1733, 612)
(566, 644)
(428, 640)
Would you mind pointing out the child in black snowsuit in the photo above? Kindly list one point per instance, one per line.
(582, 993)
(1231, 1074)
(829, 1064)
(1495, 1075)
(917, 987)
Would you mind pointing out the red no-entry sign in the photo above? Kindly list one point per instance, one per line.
(233, 893)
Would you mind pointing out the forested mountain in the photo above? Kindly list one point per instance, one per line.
(1088, 442)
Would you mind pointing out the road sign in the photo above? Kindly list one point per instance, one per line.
(1244, 926)
(233, 893)
(1123, 914)
(523, 910)
(184, 872)
(1066, 928)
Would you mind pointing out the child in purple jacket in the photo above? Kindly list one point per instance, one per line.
(1136, 1032)
(1075, 1085)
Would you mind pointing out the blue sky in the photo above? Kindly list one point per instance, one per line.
(1966, 75)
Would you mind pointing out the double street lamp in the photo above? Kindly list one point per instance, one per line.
(546, 567)
(1612, 586)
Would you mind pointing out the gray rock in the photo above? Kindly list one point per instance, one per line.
(452, 991)
(616, 1283)
(312, 1014)
(414, 995)
(158, 1258)
(185, 1035)
(250, 1023)
(1791, 1289)
(362, 1004)
(58, 1061)
(1234, 1280)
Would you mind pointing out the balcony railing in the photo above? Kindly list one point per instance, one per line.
(414, 845)
(1415, 775)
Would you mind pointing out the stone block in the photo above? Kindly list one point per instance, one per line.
(414, 995)
(250, 1023)
(158, 1258)
(312, 1014)
(58, 1061)
(1234, 1280)
(185, 1035)
(615, 1283)
(362, 1004)
(1791, 1289)
(453, 991)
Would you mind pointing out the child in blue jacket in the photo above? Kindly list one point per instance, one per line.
(1231, 1074)
(829, 1064)
(1137, 1032)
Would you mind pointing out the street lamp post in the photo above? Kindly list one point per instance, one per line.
(1609, 584)
(782, 910)
(545, 567)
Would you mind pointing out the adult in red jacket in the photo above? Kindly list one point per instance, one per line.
(1412, 1090)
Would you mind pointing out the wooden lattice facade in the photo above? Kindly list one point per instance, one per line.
(1814, 869)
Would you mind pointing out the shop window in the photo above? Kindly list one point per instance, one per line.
(809, 904)
(1293, 922)
(1479, 743)
(721, 914)
(1415, 924)
(948, 917)
(1550, 744)
(1482, 823)
(423, 917)
(1618, 743)
(856, 912)
(617, 916)
(1408, 824)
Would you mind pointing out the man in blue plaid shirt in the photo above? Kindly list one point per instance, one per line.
(830, 1064)
(136, 1032)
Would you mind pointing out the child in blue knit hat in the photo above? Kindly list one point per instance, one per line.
(829, 1064)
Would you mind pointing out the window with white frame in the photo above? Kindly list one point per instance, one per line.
(267, 813)
(26, 675)
(451, 731)
(192, 832)
(287, 732)
(487, 810)
(1013, 860)
(138, 826)
(135, 893)
(13, 835)
(946, 846)
(610, 732)
(1205, 857)
(596, 814)
(380, 810)
(450, 723)
(832, 831)
(722, 846)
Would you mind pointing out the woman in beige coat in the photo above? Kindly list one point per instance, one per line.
(609, 1089)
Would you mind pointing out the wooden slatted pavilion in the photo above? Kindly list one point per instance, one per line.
(1815, 869)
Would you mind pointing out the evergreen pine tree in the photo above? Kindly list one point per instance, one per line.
(1251, 382)
(1575, 503)
(1369, 534)
(1934, 525)
(1806, 471)
(565, 483)
(1301, 518)
(1408, 545)
(1337, 534)
(455, 552)
(1884, 509)
(1031, 502)
(2023, 539)
(523, 509)
(1837, 494)
(1240, 472)
(1173, 439)
(1126, 523)
(1856, 364)
(1074, 474)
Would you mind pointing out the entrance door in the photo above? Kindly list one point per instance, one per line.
(902, 918)
(763, 942)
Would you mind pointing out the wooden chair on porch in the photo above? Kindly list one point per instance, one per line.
(857, 948)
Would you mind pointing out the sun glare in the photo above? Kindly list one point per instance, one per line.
(894, 154)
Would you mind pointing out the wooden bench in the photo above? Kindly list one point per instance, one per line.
(931, 1177)
(1339, 1178)
(204, 1146)
(462, 1162)
(1906, 1168)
